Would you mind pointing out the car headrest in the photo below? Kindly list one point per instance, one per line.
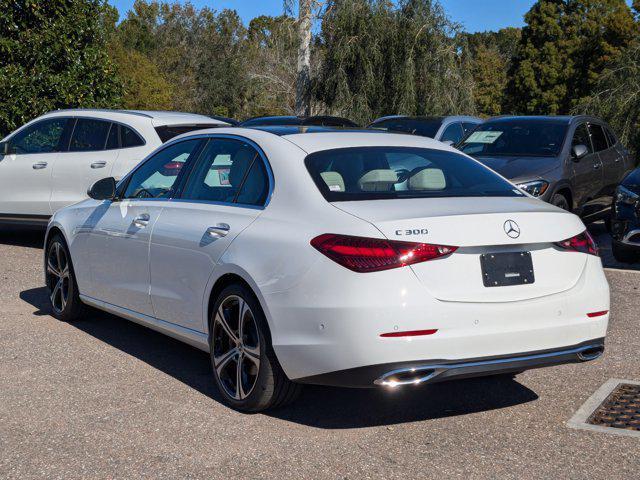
(334, 181)
(378, 180)
(428, 179)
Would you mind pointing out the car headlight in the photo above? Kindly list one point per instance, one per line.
(626, 196)
(535, 188)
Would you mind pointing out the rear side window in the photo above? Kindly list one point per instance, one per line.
(168, 132)
(89, 135)
(611, 137)
(229, 171)
(370, 173)
(41, 137)
(129, 138)
(598, 137)
(581, 137)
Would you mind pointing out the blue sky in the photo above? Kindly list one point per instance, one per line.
(474, 15)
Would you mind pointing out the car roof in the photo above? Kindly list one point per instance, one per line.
(314, 139)
(289, 120)
(564, 119)
(448, 118)
(158, 118)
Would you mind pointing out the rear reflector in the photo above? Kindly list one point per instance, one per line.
(597, 314)
(411, 333)
(583, 243)
(361, 254)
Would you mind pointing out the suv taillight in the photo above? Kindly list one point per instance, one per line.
(583, 243)
(362, 254)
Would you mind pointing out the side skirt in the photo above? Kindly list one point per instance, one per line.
(192, 337)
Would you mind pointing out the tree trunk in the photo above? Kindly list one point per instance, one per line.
(303, 81)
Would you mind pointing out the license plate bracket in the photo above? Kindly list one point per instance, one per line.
(507, 269)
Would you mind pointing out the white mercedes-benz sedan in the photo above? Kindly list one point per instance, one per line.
(350, 258)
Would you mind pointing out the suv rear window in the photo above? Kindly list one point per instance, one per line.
(370, 173)
(168, 132)
(424, 127)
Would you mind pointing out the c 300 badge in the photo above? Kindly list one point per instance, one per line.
(415, 231)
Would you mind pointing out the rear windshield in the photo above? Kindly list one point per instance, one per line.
(423, 127)
(167, 132)
(370, 173)
(516, 138)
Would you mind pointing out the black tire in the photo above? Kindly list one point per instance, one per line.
(62, 288)
(267, 384)
(561, 201)
(625, 254)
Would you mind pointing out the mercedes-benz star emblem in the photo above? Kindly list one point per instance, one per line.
(512, 229)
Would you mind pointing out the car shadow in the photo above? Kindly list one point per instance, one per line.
(319, 407)
(30, 237)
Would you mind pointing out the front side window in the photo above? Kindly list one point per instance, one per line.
(453, 133)
(158, 176)
(229, 171)
(598, 137)
(41, 137)
(529, 138)
(399, 172)
(581, 137)
(423, 127)
(89, 135)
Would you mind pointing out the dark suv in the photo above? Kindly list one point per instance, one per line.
(573, 162)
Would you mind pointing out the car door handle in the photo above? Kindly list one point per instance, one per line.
(596, 166)
(220, 230)
(101, 164)
(141, 221)
(39, 165)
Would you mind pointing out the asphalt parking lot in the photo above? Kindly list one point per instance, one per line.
(105, 398)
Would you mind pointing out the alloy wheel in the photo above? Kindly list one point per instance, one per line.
(236, 347)
(58, 276)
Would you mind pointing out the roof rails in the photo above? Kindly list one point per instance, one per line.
(105, 110)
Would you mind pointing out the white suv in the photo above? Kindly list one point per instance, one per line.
(50, 162)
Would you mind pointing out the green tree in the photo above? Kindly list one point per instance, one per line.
(491, 54)
(382, 57)
(565, 46)
(617, 97)
(53, 55)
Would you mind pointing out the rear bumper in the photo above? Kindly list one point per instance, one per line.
(433, 371)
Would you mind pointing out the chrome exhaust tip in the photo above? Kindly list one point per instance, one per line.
(407, 376)
(591, 353)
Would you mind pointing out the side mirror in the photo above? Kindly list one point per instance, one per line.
(579, 151)
(448, 143)
(104, 189)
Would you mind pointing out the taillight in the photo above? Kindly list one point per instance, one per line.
(362, 254)
(583, 243)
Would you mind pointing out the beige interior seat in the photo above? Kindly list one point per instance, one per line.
(334, 181)
(381, 180)
(428, 179)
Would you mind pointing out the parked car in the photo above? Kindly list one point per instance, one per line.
(573, 162)
(285, 120)
(51, 161)
(341, 258)
(625, 221)
(446, 129)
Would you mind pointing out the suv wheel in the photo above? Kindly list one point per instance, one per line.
(625, 254)
(245, 367)
(561, 201)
